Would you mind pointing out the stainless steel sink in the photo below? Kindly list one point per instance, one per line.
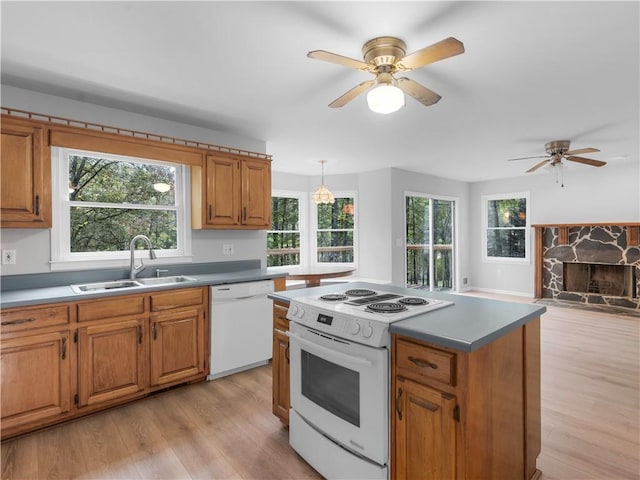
(165, 280)
(105, 286)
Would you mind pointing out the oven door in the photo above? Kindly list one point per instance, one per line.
(342, 389)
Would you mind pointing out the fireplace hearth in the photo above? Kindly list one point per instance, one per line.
(589, 264)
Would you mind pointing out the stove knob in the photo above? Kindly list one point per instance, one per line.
(355, 328)
(367, 331)
(293, 310)
(300, 312)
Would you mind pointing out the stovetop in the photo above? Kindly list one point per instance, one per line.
(385, 307)
(360, 315)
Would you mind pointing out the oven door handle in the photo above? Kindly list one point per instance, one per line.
(334, 353)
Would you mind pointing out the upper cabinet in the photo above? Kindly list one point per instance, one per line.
(25, 172)
(231, 192)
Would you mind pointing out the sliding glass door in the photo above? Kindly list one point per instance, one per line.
(429, 240)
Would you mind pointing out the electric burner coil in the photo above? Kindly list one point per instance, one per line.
(413, 301)
(333, 297)
(359, 292)
(386, 307)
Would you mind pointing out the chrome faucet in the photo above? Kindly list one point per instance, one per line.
(133, 268)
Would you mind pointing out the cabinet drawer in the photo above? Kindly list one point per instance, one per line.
(29, 318)
(177, 298)
(280, 321)
(422, 363)
(110, 308)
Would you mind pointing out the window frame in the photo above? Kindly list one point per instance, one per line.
(314, 230)
(454, 234)
(302, 226)
(527, 228)
(61, 256)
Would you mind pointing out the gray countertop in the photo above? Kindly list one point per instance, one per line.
(63, 293)
(466, 326)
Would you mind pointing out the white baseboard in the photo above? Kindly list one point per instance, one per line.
(499, 292)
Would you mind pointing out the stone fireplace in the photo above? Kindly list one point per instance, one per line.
(597, 264)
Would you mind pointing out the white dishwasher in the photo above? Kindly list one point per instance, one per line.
(241, 327)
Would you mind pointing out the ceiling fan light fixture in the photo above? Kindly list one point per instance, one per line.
(385, 98)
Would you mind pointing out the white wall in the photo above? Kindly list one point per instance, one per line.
(589, 195)
(32, 245)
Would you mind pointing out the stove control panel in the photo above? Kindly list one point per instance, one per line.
(337, 324)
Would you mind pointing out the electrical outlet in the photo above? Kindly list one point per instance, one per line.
(227, 249)
(8, 257)
(465, 280)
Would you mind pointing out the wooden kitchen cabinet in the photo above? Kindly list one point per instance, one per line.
(466, 415)
(35, 386)
(425, 432)
(280, 363)
(25, 173)
(66, 360)
(111, 361)
(231, 192)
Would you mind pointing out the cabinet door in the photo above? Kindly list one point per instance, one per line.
(177, 345)
(424, 440)
(223, 191)
(280, 371)
(111, 361)
(35, 382)
(256, 193)
(25, 172)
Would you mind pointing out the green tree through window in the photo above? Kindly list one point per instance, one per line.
(336, 230)
(283, 240)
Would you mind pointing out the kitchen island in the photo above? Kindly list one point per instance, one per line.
(464, 389)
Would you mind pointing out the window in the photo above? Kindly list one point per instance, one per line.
(284, 239)
(429, 224)
(101, 201)
(506, 226)
(335, 230)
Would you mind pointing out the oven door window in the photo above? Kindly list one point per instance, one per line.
(332, 387)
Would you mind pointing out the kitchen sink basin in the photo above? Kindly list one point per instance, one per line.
(165, 280)
(104, 286)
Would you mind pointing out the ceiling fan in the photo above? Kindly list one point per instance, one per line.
(558, 150)
(384, 57)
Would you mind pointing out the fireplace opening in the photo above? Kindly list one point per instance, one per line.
(601, 279)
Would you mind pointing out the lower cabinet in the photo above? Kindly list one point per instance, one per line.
(35, 372)
(111, 361)
(177, 345)
(425, 433)
(280, 363)
(63, 361)
(466, 415)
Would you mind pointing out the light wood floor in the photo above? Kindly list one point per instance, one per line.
(225, 429)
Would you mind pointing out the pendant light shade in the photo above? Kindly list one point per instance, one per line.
(323, 195)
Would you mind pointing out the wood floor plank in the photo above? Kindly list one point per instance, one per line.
(224, 429)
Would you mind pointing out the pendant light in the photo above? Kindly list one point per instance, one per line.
(323, 195)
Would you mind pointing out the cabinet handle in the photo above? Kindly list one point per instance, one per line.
(425, 404)
(399, 404)
(286, 353)
(210, 212)
(423, 363)
(140, 334)
(37, 205)
(244, 214)
(18, 322)
(63, 353)
(155, 330)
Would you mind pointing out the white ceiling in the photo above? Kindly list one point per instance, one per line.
(532, 72)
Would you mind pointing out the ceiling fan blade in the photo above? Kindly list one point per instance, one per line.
(340, 60)
(446, 48)
(537, 166)
(581, 151)
(351, 94)
(588, 161)
(414, 89)
(526, 158)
